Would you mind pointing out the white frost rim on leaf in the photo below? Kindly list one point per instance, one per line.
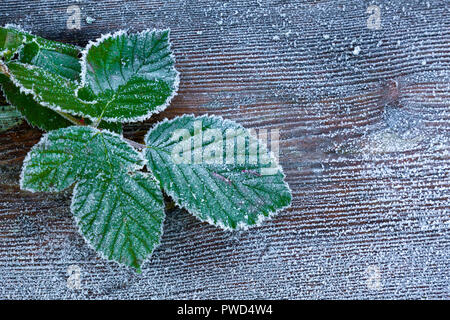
(219, 223)
(103, 38)
(100, 253)
(45, 139)
(41, 101)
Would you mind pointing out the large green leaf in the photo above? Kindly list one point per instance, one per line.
(9, 117)
(113, 60)
(212, 168)
(120, 216)
(118, 210)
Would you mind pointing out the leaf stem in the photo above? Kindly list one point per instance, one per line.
(78, 122)
(70, 118)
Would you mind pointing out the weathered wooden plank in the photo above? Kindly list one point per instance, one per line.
(364, 120)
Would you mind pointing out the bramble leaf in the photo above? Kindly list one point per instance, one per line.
(117, 86)
(38, 115)
(207, 167)
(66, 155)
(53, 56)
(50, 89)
(118, 210)
(132, 74)
(9, 117)
(120, 216)
(35, 114)
(58, 58)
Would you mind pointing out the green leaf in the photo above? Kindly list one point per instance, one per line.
(40, 116)
(65, 155)
(9, 117)
(142, 83)
(118, 210)
(51, 90)
(120, 216)
(211, 167)
(113, 60)
(11, 41)
(133, 74)
(58, 58)
(35, 114)
(53, 56)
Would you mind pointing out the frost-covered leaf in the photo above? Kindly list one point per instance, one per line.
(36, 114)
(207, 167)
(118, 210)
(51, 90)
(53, 56)
(66, 155)
(111, 126)
(58, 58)
(11, 41)
(40, 116)
(120, 216)
(134, 77)
(9, 117)
(132, 74)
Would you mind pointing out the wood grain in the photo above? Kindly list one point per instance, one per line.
(364, 145)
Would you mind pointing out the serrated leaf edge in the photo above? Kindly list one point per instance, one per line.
(101, 254)
(21, 29)
(12, 104)
(220, 224)
(103, 38)
(44, 139)
(41, 101)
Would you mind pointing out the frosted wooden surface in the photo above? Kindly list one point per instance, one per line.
(364, 119)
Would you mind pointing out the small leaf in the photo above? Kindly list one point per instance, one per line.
(207, 166)
(118, 210)
(66, 155)
(51, 90)
(35, 114)
(59, 58)
(11, 40)
(53, 56)
(143, 83)
(133, 74)
(9, 117)
(120, 216)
